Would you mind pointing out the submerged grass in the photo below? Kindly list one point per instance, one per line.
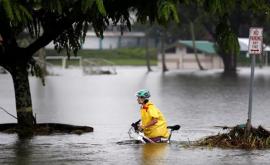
(238, 138)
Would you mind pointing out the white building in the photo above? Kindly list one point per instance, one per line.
(180, 55)
(111, 40)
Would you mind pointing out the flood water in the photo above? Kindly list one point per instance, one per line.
(197, 100)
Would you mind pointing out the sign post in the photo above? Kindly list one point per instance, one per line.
(254, 48)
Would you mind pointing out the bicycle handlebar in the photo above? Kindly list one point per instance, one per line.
(174, 128)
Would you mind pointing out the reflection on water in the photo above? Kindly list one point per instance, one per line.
(23, 151)
(154, 153)
(197, 100)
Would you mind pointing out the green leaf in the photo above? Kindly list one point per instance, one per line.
(227, 40)
(8, 9)
(175, 15)
(166, 9)
(25, 12)
(101, 7)
(54, 6)
(86, 4)
(17, 14)
(59, 6)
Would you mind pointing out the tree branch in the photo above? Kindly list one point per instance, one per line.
(53, 27)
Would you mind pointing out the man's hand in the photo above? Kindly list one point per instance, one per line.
(140, 128)
(151, 123)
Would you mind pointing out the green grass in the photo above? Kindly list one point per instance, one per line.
(123, 56)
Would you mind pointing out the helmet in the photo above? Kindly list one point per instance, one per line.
(144, 93)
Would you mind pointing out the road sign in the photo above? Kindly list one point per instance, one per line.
(254, 48)
(255, 40)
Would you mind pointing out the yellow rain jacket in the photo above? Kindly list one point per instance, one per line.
(149, 111)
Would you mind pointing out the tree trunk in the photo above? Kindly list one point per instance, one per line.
(229, 62)
(164, 67)
(147, 54)
(25, 116)
(194, 45)
(42, 60)
(234, 62)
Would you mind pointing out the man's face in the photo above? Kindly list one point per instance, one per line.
(140, 100)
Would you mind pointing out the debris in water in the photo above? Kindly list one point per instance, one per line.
(237, 137)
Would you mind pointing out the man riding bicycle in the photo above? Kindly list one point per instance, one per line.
(153, 123)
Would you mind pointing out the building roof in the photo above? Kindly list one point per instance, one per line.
(209, 47)
(203, 46)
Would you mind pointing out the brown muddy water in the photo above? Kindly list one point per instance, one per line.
(197, 100)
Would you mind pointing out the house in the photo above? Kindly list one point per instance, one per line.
(181, 55)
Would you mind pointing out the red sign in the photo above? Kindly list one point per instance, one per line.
(255, 40)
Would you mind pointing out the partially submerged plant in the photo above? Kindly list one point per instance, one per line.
(238, 137)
